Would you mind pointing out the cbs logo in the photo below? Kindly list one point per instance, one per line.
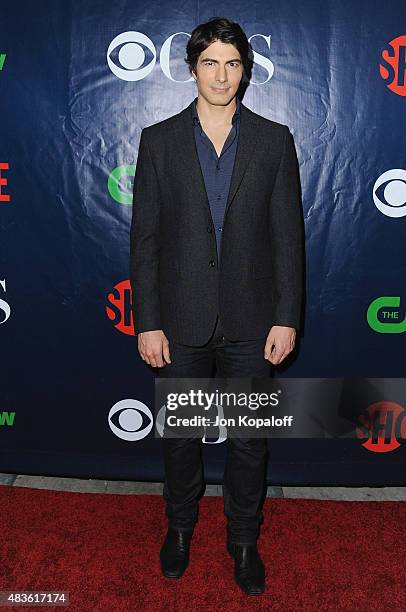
(130, 420)
(128, 51)
(389, 193)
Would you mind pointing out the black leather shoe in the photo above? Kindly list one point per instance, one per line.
(174, 553)
(249, 570)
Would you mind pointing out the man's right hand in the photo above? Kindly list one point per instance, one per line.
(153, 346)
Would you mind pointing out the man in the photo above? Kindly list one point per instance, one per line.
(216, 274)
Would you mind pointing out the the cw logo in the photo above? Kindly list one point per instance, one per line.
(391, 323)
(120, 184)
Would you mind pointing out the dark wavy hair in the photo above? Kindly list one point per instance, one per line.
(226, 31)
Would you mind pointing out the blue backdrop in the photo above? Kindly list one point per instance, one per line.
(78, 82)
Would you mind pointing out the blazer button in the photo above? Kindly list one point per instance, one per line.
(209, 230)
(212, 263)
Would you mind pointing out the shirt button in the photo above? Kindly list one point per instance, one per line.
(212, 263)
(220, 229)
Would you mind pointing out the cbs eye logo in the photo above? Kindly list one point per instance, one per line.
(389, 193)
(130, 420)
(125, 56)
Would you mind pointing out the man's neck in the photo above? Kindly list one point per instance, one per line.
(215, 116)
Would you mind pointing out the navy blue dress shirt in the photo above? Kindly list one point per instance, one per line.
(217, 170)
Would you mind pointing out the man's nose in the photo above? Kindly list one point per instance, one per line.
(221, 74)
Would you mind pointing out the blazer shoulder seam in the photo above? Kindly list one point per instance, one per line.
(159, 125)
(265, 122)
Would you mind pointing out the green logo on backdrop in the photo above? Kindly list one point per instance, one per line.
(120, 184)
(7, 418)
(2, 60)
(391, 323)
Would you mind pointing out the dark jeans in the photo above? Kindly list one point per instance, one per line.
(244, 482)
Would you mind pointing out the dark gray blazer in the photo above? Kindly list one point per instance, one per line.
(178, 284)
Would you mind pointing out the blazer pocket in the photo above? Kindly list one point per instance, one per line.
(262, 269)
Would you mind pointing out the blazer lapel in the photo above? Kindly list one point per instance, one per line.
(189, 158)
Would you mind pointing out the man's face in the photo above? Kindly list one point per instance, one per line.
(218, 73)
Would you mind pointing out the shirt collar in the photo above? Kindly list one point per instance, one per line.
(195, 116)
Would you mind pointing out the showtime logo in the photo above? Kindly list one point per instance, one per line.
(118, 309)
(126, 56)
(393, 65)
(4, 197)
(382, 427)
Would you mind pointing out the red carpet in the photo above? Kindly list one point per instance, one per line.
(104, 549)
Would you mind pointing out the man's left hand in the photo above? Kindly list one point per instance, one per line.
(279, 343)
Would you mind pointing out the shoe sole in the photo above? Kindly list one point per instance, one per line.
(172, 576)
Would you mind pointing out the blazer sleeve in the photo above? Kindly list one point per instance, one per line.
(144, 242)
(287, 238)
